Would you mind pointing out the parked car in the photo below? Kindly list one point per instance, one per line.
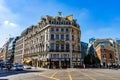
(27, 67)
(19, 67)
(14, 67)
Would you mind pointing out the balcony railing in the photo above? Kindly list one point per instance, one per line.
(75, 51)
(59, 51)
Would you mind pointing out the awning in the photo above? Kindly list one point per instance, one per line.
(28, 61)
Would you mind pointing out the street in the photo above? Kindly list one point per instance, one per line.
(63, 74)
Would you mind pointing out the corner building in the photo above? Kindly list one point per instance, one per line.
(105, 49)
(53, 43)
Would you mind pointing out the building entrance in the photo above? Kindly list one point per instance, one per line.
(65, 64)
(54, 64)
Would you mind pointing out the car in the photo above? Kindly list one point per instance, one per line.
(14, 67)
(19, 67)
(27, 67)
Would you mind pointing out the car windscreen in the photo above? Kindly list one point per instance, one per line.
(20, 65)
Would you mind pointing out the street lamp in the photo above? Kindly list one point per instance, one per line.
(48, 57)
(39, 56)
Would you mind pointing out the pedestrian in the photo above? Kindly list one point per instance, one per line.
(84, 66)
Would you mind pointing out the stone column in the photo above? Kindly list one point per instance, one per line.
(70, 43)
(59, 60)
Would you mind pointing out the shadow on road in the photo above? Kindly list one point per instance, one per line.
(13, 72)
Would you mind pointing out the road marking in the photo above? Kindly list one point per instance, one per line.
(101, 74)
(70, 76)
(91, 78)
(54, 74)
(49, 77)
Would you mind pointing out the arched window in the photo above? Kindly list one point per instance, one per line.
(110, 56)
(67, 47)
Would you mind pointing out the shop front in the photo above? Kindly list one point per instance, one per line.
(76, 63)
(59, 63)
(65, 63)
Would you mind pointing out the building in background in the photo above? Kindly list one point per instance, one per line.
(118, 50)
(105, 51)
(11, 50)
(91, 48)
(54, 42)
(84, 47)
(91, 40)
(1, 55)
(4, 50)
(19, 50)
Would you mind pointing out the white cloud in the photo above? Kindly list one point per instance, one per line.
(6, 13)
(6, 23)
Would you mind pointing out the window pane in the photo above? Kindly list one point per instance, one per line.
(67, 46)
(62, 47)
(62, 29)
(52, 36)
(67, 30)
(57, 36)
(72, 38)
(52, 46)
(62, 36)
(52, 29)
(67, 36)
(57, 29)
(57, 47)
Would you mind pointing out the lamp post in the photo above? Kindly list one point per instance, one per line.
(39, 56)
(48, 57)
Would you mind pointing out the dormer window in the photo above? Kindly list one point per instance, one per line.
(61, 22)
(66, 22)
(49, 22)
(52, 22)
(69, 22)
(59, 18)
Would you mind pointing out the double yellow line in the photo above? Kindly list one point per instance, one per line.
(70, 76)
(51, 77)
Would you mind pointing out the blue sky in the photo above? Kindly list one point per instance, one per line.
(97, 18)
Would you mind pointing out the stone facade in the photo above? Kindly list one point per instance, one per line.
(54, 42)
(5, 50)
(118, 51)
(19, 51)
(105, 50)
(106, 54)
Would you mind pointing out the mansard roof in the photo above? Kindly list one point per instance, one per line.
(58, 20)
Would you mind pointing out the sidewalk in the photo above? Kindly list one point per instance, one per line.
(38, 68)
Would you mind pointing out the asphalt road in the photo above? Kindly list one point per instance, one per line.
(63, 74)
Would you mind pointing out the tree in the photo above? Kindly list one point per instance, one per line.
(91, 59)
